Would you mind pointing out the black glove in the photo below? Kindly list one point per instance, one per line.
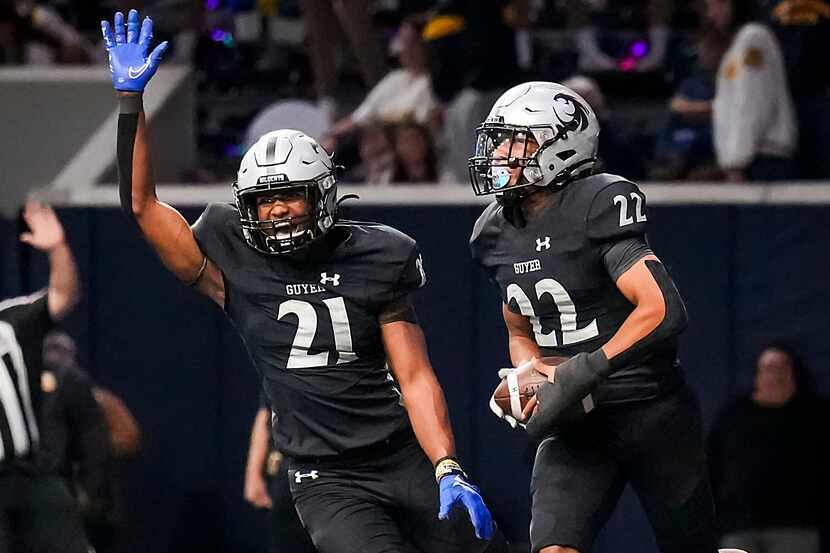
(560, 401)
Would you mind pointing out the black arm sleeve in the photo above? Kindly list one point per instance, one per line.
(129, 107)
(673, 323)
(127, 128)
(619, 256)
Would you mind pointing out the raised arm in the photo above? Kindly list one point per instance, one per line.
(164, 228)
(46, 234)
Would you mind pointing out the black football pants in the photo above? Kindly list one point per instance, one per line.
(655, 445)
(388, 504)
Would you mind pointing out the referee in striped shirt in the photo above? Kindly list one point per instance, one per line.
(37, 513)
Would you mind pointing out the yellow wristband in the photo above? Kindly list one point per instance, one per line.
(447, 466)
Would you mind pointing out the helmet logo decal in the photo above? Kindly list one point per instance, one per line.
(577, 120)
(265, 179)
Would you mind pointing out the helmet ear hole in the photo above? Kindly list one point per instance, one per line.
(532, 174)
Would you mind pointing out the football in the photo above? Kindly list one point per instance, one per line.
(515, 390)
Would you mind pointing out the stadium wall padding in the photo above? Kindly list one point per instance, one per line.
(747, 273)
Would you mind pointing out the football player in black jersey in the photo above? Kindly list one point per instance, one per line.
(322, 305)
(568, 251)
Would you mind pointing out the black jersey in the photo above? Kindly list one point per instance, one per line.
(24, 322)
(311, 328)
(552, 271)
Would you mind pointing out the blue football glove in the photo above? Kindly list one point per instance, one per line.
(454, 489)
(130, 66)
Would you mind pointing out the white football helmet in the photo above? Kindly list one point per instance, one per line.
(560, 121)
(293, 165)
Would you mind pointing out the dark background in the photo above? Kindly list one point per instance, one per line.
(747, 274)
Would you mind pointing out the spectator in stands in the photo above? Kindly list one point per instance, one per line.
(266, 487)
(769, 460)
(592, 20)
(35, 33)
(402, 94)
(803, 30)
(685, 148)
(324, 20)
(415, 160)
(617, 152)
(36, 509)
(753, 117)
(472, 59)
(377, 156)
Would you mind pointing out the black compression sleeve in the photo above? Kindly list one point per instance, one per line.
(619, 256)
(129, 107)
(673, 323)
(127, 126)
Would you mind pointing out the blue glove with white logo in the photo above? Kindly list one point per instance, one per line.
(455, 488)
(130, 66)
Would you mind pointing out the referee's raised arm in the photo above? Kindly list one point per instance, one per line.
(164, 228)
(46, 234)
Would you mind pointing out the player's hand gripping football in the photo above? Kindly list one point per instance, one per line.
(514, 400)
(130, 65)
(456, 489)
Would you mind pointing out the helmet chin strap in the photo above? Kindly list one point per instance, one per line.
(571, 173)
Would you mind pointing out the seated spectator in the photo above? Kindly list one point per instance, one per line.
(415, 160)
(769, 459)
(753, 117)
(403, 93)
(685, 147)
(377, 156)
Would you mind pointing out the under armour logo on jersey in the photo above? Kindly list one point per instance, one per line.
(299, 476)
(543, 244)
(333, 280)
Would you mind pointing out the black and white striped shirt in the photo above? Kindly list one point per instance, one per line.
(23, 323)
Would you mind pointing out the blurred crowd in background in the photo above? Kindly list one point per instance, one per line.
(708, 90)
